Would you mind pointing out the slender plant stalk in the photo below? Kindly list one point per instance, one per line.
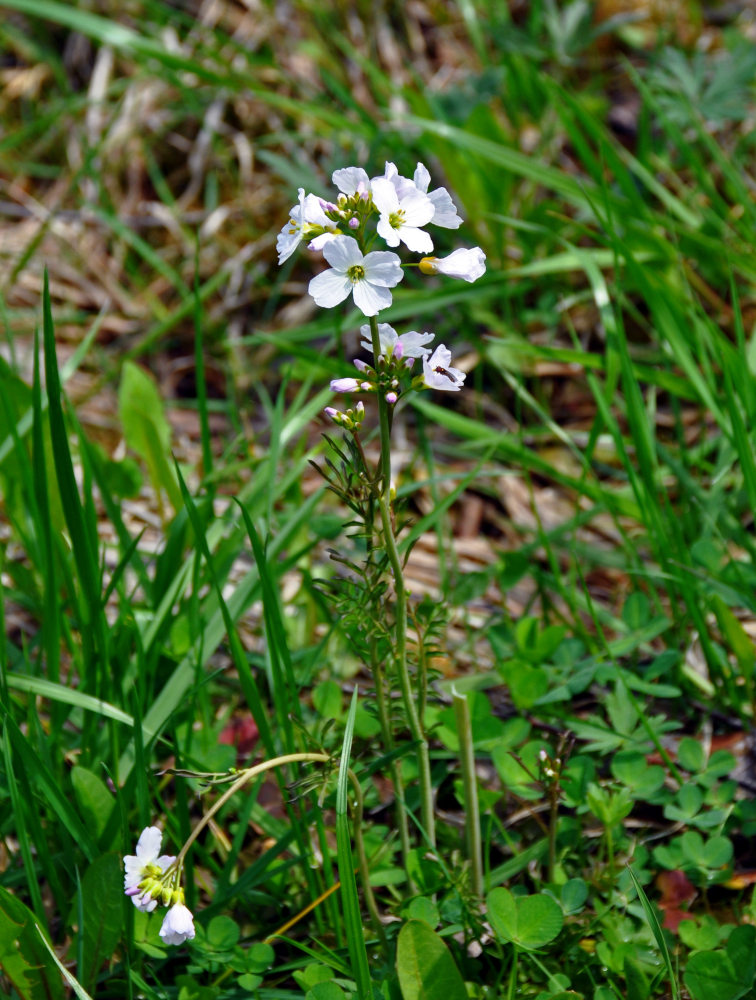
(384, 720)
(400, 593)
(470, 784)
(244, 777)
(362, 862)
(293, 758)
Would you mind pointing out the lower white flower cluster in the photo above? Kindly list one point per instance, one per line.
(390, 372)
(147, 881)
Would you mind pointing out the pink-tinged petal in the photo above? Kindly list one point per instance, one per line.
(144, 903)
(344, 385)
(383, 268)
(370, 299)
(387, 231)
(329, 288)
(349, 180)
(342, 252)
(416, 240)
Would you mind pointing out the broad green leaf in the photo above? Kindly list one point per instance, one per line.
(222, 933)
(93, 798)
(102, 904)
(530, 922)
(325, 991)
(146, 430)
(573, 895)
(425, 965)
(24, 958)
(327, 698)
(710, 975)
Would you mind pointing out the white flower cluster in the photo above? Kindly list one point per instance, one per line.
(397, 356)
(146, 883)
(340, 231)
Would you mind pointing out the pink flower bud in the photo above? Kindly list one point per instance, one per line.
(331, 412)
(354, 223)
(391, 397)
(360, 365)
(398, 350)
(344, 385)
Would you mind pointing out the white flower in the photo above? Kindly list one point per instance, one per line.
(145, 865)
(306, 217)
(445, 212)
(411, 343)
(468, 264)
(351, 180)
(178, 925)
(438, 373)
(368, 278)
(402, 214)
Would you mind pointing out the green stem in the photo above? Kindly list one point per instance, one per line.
(400, 593)
(470, 784)
(245, 776)
(384, 720)
(553, 818)
(363, 865)
(512, 974)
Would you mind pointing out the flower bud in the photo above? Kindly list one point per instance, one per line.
(344, 385)
(391, 397)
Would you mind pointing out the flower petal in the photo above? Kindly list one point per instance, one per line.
(383, 268)
(414, 239)
(350, 180)
(342, 252)
(387, 231)
(148, 845)
(178, 925)
(329, 288)
(371, 299)
(445, 210)
(385, 197)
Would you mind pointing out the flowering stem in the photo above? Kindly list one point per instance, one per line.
(400, 592)
(470, 785)
(384, 720)
(244, 777)
(267, 765)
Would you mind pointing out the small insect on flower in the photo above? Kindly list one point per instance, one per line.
(445, 371)
(438, 372)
